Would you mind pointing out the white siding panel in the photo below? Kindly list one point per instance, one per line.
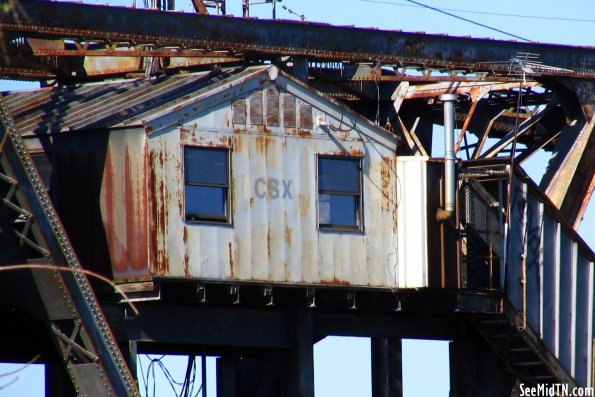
(274, 235)
(412, 252)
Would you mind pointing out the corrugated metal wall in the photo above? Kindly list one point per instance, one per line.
(273, 135)
(124, 203)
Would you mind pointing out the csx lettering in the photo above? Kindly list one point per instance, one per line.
(271, 187)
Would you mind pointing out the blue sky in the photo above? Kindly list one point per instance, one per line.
(342, 364)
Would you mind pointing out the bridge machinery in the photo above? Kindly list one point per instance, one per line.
(254, 186)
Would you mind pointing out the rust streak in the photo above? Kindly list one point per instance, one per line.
(304, 204)
(237, 143)
(108, 191)
(334, 281)
(231, 267)
(153, 227)
(129, 209)
(226, 140)
(304, 133)
(385, 182)
(356, 152)
(261, 144)
(141, 236)
(288, 234)
(187, 136)
(186, 262)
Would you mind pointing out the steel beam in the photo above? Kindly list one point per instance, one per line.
(569, 179)
(318, 41)
(75, 319)
(300, 377)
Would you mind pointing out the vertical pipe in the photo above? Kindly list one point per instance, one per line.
(203, 370)
(449, 157)
(592, 383)
(246, 8)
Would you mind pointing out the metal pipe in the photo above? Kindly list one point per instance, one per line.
(203, 373)
(449, 158)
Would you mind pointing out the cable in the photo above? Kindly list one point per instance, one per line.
(485, 12)
(467, 20)
(461, 18)
(377, 72)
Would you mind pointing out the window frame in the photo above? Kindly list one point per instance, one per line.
(359, 210)
(226, 219)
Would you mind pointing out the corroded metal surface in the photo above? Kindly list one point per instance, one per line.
(124, 203)
(72, 21)
(275, 127)
(568, 181)
(275, 236)
(89, 334)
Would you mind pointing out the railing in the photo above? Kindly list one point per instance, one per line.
(549, 278)
(481, 220)
(541, 263)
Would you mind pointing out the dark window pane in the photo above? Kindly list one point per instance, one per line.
(338, 210)
(207, 166)
(205, 201)
(338, 175)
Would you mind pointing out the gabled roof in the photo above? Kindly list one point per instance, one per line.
(159, 103)
(98, 105)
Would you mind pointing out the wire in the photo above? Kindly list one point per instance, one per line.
(32, 266)
(485, 12)
(459, 17)
(151, 377)
(467, 20)
(16, 371)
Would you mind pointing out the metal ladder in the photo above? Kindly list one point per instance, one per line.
(74, 318)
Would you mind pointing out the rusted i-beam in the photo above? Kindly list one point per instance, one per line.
(76, 21)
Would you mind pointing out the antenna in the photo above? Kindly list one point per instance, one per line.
(527, 64)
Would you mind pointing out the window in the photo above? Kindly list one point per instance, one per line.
(206, 177)
(339, 193)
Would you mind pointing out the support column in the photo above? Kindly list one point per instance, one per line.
(130, 352)
(300, 369)
(462, 365)
(387, 367)
(57, 381)
(476, 370)
(226, 377)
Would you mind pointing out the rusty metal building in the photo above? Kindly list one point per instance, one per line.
(261, 191)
